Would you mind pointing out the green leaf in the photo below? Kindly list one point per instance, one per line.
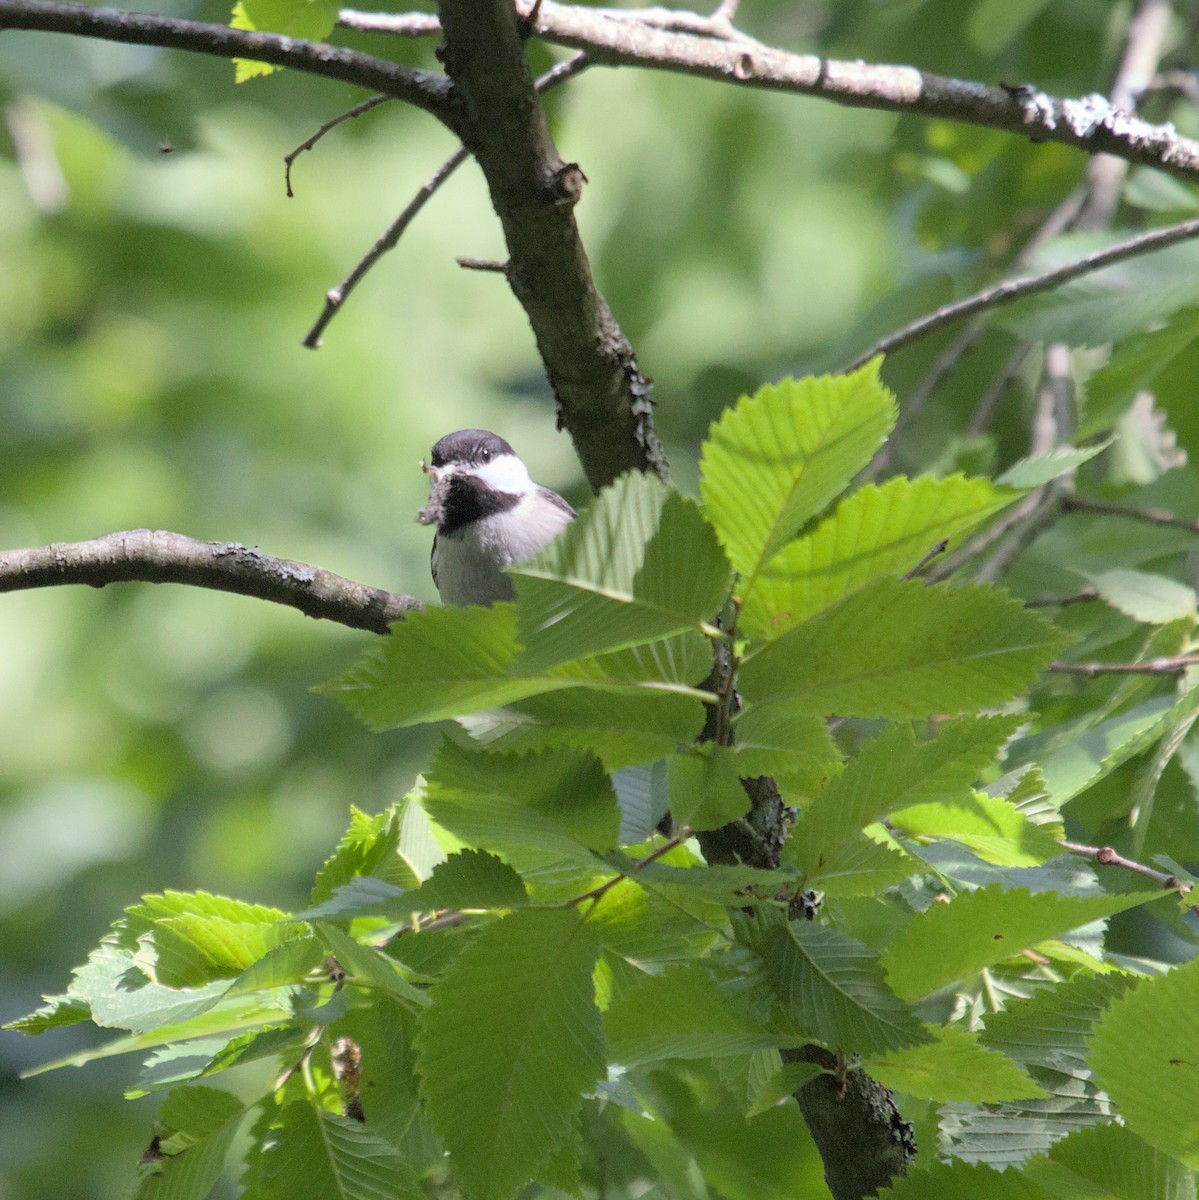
(891, 772)
(515, 1015)
(367, 848)
(955, 1066)
(1041, 468)
(435, 665)
(901, 650)
(192, 937)
(861, 866)
(646, 926)
(1153, 599)
(1047, 1035)
(705, 791)
(55, 1013)
(371, 968)
(1076, 755)
(555, 802)
(681, 1014)
(1110, 1162)
(778, 457)
(832, 987)
(878, 531)
(983, 927)
(197, 1127)
(640, 563)
(312, 20)
(310, 1154)
(783, 1084)
(279, 967)
(994, 829)
(623, 730)
(1108, 305)
(795, 747)
(1144, 1055)
(956, 1180)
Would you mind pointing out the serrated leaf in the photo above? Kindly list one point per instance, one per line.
(1047, 1035)
(466, 879)
(894, 771)
(704, 788)
(782, 1085)
(310, 1154)
(794, 747)
(280, 966)
(681, 1014)
(648, 926)
(1143, 1052)
(1041, 468)
(435, 665)
(954, 1066)
(271, 1042)
(900, 650)
(1153, 599)
(198, 1125)
(621, 729)
(515, 1015)
(832, 987)
(368, 847)
(55, 1013)
(875, 532)
(642, 796)
(640, 563)
(312, 20)
(557, 802)
(983, 927)
(1110, 1162)
(778, 457)
(860, 866)
(994, 829)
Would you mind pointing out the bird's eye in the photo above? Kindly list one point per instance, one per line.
(485, 455)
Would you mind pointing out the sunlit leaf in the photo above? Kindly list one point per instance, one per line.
(777, 458)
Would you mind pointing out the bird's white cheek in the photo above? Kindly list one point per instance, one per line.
(505, 474)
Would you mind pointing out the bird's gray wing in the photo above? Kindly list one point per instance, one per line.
(556, 501)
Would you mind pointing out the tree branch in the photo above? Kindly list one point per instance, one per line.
(603, 399)
(1011, 290)
(424, 89)
(694, 45)
(1107, 857)
(1151, 516)
(156, 556)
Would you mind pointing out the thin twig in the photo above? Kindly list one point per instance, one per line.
(935, 552)
(1012, 290)
(596, 893)
(337, 296)
(482, 264)
(1151, 516)
(1087, 594)
(1106, 856)
(356, 111)
(156, 556)
(1175, 665)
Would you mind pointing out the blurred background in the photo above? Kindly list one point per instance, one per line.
(156, 286)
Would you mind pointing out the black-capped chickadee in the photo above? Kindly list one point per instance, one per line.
(489, 514)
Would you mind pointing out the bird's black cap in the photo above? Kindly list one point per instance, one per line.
(470, 446)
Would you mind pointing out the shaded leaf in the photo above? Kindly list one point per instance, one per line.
(515, 1015)
(979, 928)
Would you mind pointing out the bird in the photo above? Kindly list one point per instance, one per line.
(489, 514)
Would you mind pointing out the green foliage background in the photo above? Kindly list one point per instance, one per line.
(151, 375)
